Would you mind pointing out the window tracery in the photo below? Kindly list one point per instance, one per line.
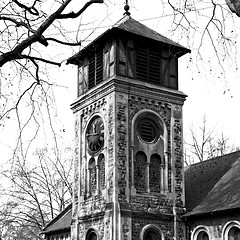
(150, 143)
(96, 175)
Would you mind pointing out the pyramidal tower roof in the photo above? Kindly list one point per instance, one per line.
(132, 26)
(128, 25)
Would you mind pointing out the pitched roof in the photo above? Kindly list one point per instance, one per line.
(131, 26)
(213, 185)
(62, 222)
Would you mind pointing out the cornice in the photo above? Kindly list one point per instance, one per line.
(149, 91)
(130, 87)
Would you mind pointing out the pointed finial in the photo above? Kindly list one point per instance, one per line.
(126, 8)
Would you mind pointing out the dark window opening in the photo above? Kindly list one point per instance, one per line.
(95, 70)
(147, 130)
(155, 65)
(91, 235)
(155, 174)
(234, 233)
(93, 180)
(148, 64)
(140, 172)
(152, 234)
(202, 236)
(102, 171)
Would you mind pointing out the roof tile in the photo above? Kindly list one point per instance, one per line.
(213, 185)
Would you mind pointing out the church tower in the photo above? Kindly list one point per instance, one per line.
(128, 171)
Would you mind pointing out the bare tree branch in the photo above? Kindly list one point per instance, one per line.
(77, 14)
(38, 34)
(205, 143)
(63, 43)
(31, 9)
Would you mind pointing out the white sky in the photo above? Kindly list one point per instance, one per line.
(204, 81)
(210, 92)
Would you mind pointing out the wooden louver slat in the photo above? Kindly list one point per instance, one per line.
(99, 64)
(148, 64)
(95, 73)
(91, 72)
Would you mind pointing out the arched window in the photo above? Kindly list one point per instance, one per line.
(155, 174)
(151, 232)
(101, 162)
(91, 235)
(152, 235)
(202, 235)
(234, 233)
(231, 231)
(140, 171)
(92, 176)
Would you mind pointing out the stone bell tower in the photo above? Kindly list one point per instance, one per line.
(128, 171)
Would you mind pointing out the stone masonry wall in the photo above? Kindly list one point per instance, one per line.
(165, 225)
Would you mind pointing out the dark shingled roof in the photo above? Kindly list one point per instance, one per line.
(213, 185)
(131, 26)
(61, 222)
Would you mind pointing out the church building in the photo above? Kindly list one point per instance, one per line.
(128, 169)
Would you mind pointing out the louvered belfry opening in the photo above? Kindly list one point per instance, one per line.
(147, 130)
(148, 64)
(129, 50)
(95, 69)
(147, 61)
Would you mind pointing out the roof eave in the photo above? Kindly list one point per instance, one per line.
(75, 59)
(68, 208)
(222, 211)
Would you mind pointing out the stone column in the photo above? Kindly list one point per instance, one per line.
(162, 178)
(88, 172)
(133, 189)
(83, 178)
(166, 160)
(97, 179)
(147, 177)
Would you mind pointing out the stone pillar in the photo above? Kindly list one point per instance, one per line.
(88, 172)
(162, 178)
(97, 179)
(133, 189)
(147, 177)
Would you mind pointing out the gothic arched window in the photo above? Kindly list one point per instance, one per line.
(92, 176)
(155, 174)
(140, 171)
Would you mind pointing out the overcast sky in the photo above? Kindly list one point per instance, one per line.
(213, 90)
